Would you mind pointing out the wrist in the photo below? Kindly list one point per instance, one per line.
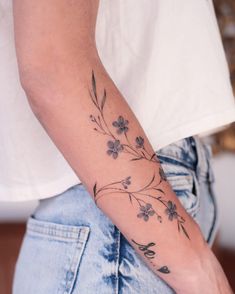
(206, 273)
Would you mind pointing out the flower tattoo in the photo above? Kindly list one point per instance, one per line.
(146, 211)
(171, 210)
(126, 182)
(121, 125)
(139, 142)
(114, 148)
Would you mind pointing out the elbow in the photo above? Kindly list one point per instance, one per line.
(37, 84)
(41, 79)
(34, 93)
(43, 86)
(47, 81)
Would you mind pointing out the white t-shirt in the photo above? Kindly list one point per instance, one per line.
(165, 57)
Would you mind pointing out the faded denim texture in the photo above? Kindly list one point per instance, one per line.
(70, 246)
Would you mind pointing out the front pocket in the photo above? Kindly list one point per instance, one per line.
(49, 258)
(185, 184)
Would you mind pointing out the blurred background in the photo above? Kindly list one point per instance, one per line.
(14, 215)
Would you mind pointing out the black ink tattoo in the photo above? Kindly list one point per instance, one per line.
(126, 182)
(173, 214)
(114, 148)
(139, 142)
(119, 141)
(171, 210)
(145, 248)
(146, 209)
(162, 174)
(121, 125)
(150, 254)
(164, 269)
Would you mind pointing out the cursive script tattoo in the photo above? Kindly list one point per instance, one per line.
(151, 254)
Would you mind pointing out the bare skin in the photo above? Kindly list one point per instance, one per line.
(90, 122)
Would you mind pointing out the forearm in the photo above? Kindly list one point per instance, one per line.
(90, 122)
(82, 122)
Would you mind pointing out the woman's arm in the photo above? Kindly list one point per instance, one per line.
(90, 122)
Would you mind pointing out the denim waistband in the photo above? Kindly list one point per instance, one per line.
(191, 153)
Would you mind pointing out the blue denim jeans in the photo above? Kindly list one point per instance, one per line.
(71, 246)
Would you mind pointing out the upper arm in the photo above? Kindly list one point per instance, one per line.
(47, 31)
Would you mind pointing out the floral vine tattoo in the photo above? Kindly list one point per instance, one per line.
(119, 142)
(150, 254)
(146, 210)
(118, 135)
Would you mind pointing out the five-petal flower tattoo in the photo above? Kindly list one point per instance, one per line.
(146, 211)
(121, 125)
(114, 147)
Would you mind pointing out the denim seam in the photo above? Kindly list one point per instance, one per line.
(68, 237)
(45, 229)
(76, 260)
(196, 184)
(68, 284)
(204, 156)
(201, 160)
(52, 230)
(215, 219)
